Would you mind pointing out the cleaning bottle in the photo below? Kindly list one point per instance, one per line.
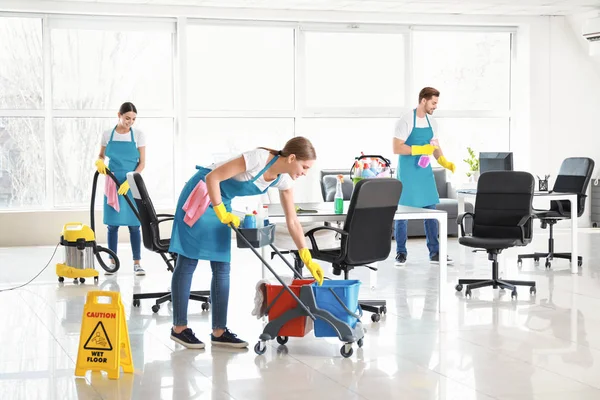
(339, 196)
(250, 219)
(266, 215)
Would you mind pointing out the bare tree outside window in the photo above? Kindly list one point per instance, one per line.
(22, 147)
(99, 70)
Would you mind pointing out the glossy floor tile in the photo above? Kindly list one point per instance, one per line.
(489, 346)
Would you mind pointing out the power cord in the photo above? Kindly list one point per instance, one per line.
(32, 279)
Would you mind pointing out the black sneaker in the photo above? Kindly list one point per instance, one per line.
(436, 259)
(229, 339)
(187, 339)
(400, 259)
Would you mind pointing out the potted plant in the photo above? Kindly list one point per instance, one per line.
(473, 162)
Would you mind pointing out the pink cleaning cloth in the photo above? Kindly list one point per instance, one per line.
(110, 190)
(196, 204)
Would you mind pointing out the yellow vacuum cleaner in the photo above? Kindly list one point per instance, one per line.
(80, 246)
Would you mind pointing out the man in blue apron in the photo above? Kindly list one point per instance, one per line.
(415, 137)
(201, 229)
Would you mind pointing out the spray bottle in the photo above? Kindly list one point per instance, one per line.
(339, 196)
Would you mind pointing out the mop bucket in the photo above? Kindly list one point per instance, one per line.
(280, 302)
(337, 297)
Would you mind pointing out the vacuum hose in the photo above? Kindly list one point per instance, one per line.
(112, 268)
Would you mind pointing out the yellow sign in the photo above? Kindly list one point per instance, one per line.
(104, 340)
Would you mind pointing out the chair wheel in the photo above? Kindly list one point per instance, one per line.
(548, 264)
(519, 263)
(458, 287)
(205, 306)
(383, 310)
(75, 281)
(61, 279)
(82, 280)
(282, 339)
(513, 294)
(260, 348)
(347, 353)
(360, 342)
(532, 290)
(579, 263)
(155, 308)
(468, 292)
(375, 317)
(136, 302)
(95, 279)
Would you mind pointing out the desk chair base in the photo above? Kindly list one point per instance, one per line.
(550, 255)
(494, 282)
(163, 297)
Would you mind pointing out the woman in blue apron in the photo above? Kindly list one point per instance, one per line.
(201, 228)
(418, 183)
(126, 151)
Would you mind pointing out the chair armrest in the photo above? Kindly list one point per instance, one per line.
(311, 234)
(521, 224)
(460, 220)
(165, 215)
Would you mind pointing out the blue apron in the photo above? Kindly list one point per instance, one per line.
(208, 238)
(418, 184)
(123, 158)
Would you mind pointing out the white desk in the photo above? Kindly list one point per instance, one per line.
(325, 214)
(571, 197)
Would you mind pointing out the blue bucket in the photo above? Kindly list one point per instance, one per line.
(347, 291)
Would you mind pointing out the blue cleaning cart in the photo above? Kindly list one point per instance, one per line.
(333, 306)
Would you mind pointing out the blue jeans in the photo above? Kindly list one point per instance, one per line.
(181, 284)
(431, 233)
(134, 236)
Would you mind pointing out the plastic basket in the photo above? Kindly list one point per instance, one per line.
(347, 291)
(258, 237)
(297, 326)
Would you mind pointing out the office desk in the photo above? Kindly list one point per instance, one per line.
(324, 213)
(571, 197)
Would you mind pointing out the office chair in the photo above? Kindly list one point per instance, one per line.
(150, 222)
(503, 218)
(365, 237)
(573, 177)
(328, 181)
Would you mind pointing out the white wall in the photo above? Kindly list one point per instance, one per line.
(565, 81)
(555, 97)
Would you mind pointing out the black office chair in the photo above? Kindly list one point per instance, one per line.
(366, 233)
(573, 177)
(150, 222)
(503, 218)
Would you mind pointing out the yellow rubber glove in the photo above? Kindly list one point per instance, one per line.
(314, 268)
(100, 166)
(225, 216)
(446, 164)
(124, 188)
(426, 150)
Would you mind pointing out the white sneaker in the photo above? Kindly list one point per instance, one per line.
(138, 270)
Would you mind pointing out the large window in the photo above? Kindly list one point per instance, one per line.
(240, 68)
(472, 70)
(207, 90)
(354, 69)
(95, 68)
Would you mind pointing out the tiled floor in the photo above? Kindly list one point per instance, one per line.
(488, 347)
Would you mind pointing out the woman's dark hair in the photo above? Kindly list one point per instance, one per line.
(300, 146)
(126, 107)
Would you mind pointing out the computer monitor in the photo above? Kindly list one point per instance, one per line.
(495, 162)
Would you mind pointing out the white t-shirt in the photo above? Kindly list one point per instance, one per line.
(256, 160)
(404, 126)
(138, 135)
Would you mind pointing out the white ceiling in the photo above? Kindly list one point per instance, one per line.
(488, 7)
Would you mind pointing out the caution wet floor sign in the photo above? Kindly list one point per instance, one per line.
(104, 340)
